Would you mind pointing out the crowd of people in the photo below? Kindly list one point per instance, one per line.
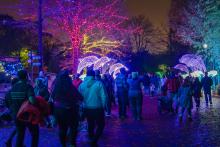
(178, 93)
(73, 100)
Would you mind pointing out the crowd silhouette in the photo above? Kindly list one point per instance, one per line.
(72, 101)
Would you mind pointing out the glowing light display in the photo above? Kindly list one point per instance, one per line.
(82, 77)
(117, 71)
(80, 19)
(105, 45)
(107, 63)
(212, 73)
(197, 74)
(1, 67)
(85, 62)
(194, 62)
(10, 68)
(182, 67)
(115, 67)
(106, 66)
(101, 62)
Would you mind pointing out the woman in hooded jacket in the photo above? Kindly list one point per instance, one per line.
(66, 99)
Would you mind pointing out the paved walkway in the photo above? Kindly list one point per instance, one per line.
(155, 130)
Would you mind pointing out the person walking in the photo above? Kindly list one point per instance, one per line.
(185, 94)
(122, 92)
(94, 100)
(65, 100)
(108, 87)
(135, 95)
(197, 86)
(40, 89)
(77, 81)
(43, 78)
(207, 84)
(146, 84)
(172, 85)
(21, 92)
(8, 143)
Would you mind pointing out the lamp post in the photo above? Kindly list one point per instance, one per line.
(205, 46)
(40, 44)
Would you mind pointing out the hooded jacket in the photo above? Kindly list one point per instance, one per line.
(34, 114)
(93, 92)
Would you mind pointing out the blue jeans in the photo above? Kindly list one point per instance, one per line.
(20, 130)
(108, 105)
(208, 97)
(182, 110)
(67, 119)
(96, 122)
(122, 102)
(136, 106)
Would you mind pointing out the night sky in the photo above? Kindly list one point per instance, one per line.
(155, 10)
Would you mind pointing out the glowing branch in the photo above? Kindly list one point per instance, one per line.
(105, 45)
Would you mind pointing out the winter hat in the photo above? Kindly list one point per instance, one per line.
(22, 74)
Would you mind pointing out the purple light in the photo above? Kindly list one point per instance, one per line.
(101, 62)
(194, 62)
(182, 67)
(85, 62)
(116, 67)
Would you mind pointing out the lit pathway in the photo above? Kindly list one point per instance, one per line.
(154, 130)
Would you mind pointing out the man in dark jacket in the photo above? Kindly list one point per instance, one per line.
(207, 84)
(21, 92)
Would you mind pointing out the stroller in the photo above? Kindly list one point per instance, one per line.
(165, 104)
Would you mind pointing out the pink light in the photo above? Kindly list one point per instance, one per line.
(78, 18)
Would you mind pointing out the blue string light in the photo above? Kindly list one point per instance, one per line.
(11, 68)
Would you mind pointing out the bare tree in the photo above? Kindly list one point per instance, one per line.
(149, 38)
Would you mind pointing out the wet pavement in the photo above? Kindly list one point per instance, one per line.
(154, 130)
